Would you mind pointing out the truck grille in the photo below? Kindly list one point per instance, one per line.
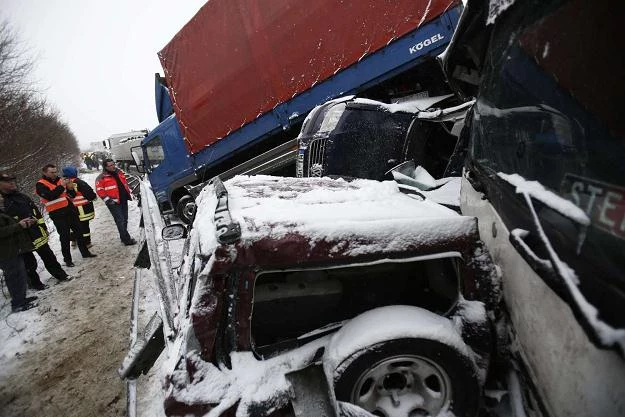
(316, 155)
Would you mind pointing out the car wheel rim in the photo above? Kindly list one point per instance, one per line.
(403, 386)
(189, 210)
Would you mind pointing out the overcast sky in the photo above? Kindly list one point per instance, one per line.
(96, 59)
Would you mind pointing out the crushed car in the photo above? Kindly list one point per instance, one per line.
(352, 296)
(363, 138)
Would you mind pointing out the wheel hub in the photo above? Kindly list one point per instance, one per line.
(403, 386)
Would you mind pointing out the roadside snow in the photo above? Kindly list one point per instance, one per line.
(60, 359)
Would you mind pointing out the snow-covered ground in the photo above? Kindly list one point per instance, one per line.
(61, 358)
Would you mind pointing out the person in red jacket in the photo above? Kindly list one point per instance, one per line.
(112, 187)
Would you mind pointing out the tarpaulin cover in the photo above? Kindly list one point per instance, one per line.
(237, 59)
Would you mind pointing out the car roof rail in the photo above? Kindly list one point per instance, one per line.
(228, 231)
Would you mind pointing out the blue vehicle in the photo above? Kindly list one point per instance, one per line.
(180, 153)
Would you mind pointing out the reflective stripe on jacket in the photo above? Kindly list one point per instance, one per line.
(106, 186)
(43, 238)
(56, 204)
(85, 210)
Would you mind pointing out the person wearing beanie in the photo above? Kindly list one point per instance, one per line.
(56, 194)
(83, 201)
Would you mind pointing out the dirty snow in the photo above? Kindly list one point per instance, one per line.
(61, 358)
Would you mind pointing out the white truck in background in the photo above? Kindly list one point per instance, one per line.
(119, 146)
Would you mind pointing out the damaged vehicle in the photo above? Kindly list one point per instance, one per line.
(545, 176)
(363, 138)
(325, 297)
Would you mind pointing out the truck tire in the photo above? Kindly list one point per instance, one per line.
(185, 209)
(409, 377)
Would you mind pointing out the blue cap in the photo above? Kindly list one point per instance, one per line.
(70, 172)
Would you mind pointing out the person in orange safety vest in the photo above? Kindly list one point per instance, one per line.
(112, 187)
(55, 194)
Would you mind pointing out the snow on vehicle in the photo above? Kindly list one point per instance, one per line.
(546, 178)
(120, 145)
(240, 77)
(363, 138)
(290, 285)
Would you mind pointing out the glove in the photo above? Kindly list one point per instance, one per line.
(110, 202)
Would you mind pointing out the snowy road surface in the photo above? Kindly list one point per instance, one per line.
(61, 358)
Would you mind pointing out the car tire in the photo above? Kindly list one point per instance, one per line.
(185, 209)
(409, 377)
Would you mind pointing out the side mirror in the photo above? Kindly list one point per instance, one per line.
(174, 232)
(136, 156)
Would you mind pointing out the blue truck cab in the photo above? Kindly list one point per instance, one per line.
(381, 75)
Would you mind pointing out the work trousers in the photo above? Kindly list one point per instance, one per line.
(16, 279)
(64, 226)
(120, 215)
(85, 230)
(49, 261)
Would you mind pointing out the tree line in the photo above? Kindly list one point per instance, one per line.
(32, 133)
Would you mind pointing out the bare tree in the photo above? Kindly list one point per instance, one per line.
(32, 133)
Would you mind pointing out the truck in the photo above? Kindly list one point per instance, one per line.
(120, 145)
(239, 79)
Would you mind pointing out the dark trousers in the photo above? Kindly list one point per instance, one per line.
(64, 226)
(85, 230)
(49, 261)
(120, 215)
(15, 277)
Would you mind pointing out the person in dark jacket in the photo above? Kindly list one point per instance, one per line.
(112, 187)
(19, 206)
(55, 194)
(83, 202)
(14, 241)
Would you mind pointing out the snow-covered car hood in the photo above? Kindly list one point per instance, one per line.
(360, 216)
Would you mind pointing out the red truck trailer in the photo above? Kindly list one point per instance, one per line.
(242, 75)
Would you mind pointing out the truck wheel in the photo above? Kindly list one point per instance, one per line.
(185, 209)
(409, 378)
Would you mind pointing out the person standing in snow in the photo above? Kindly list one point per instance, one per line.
(20, 206)
(55, 194)
(14, 241)
(112, 187)
(83, 201)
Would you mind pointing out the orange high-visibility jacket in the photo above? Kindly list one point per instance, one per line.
(58, 203)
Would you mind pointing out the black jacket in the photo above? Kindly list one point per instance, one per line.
(85, 212)
(20, 206)
(14, 239)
